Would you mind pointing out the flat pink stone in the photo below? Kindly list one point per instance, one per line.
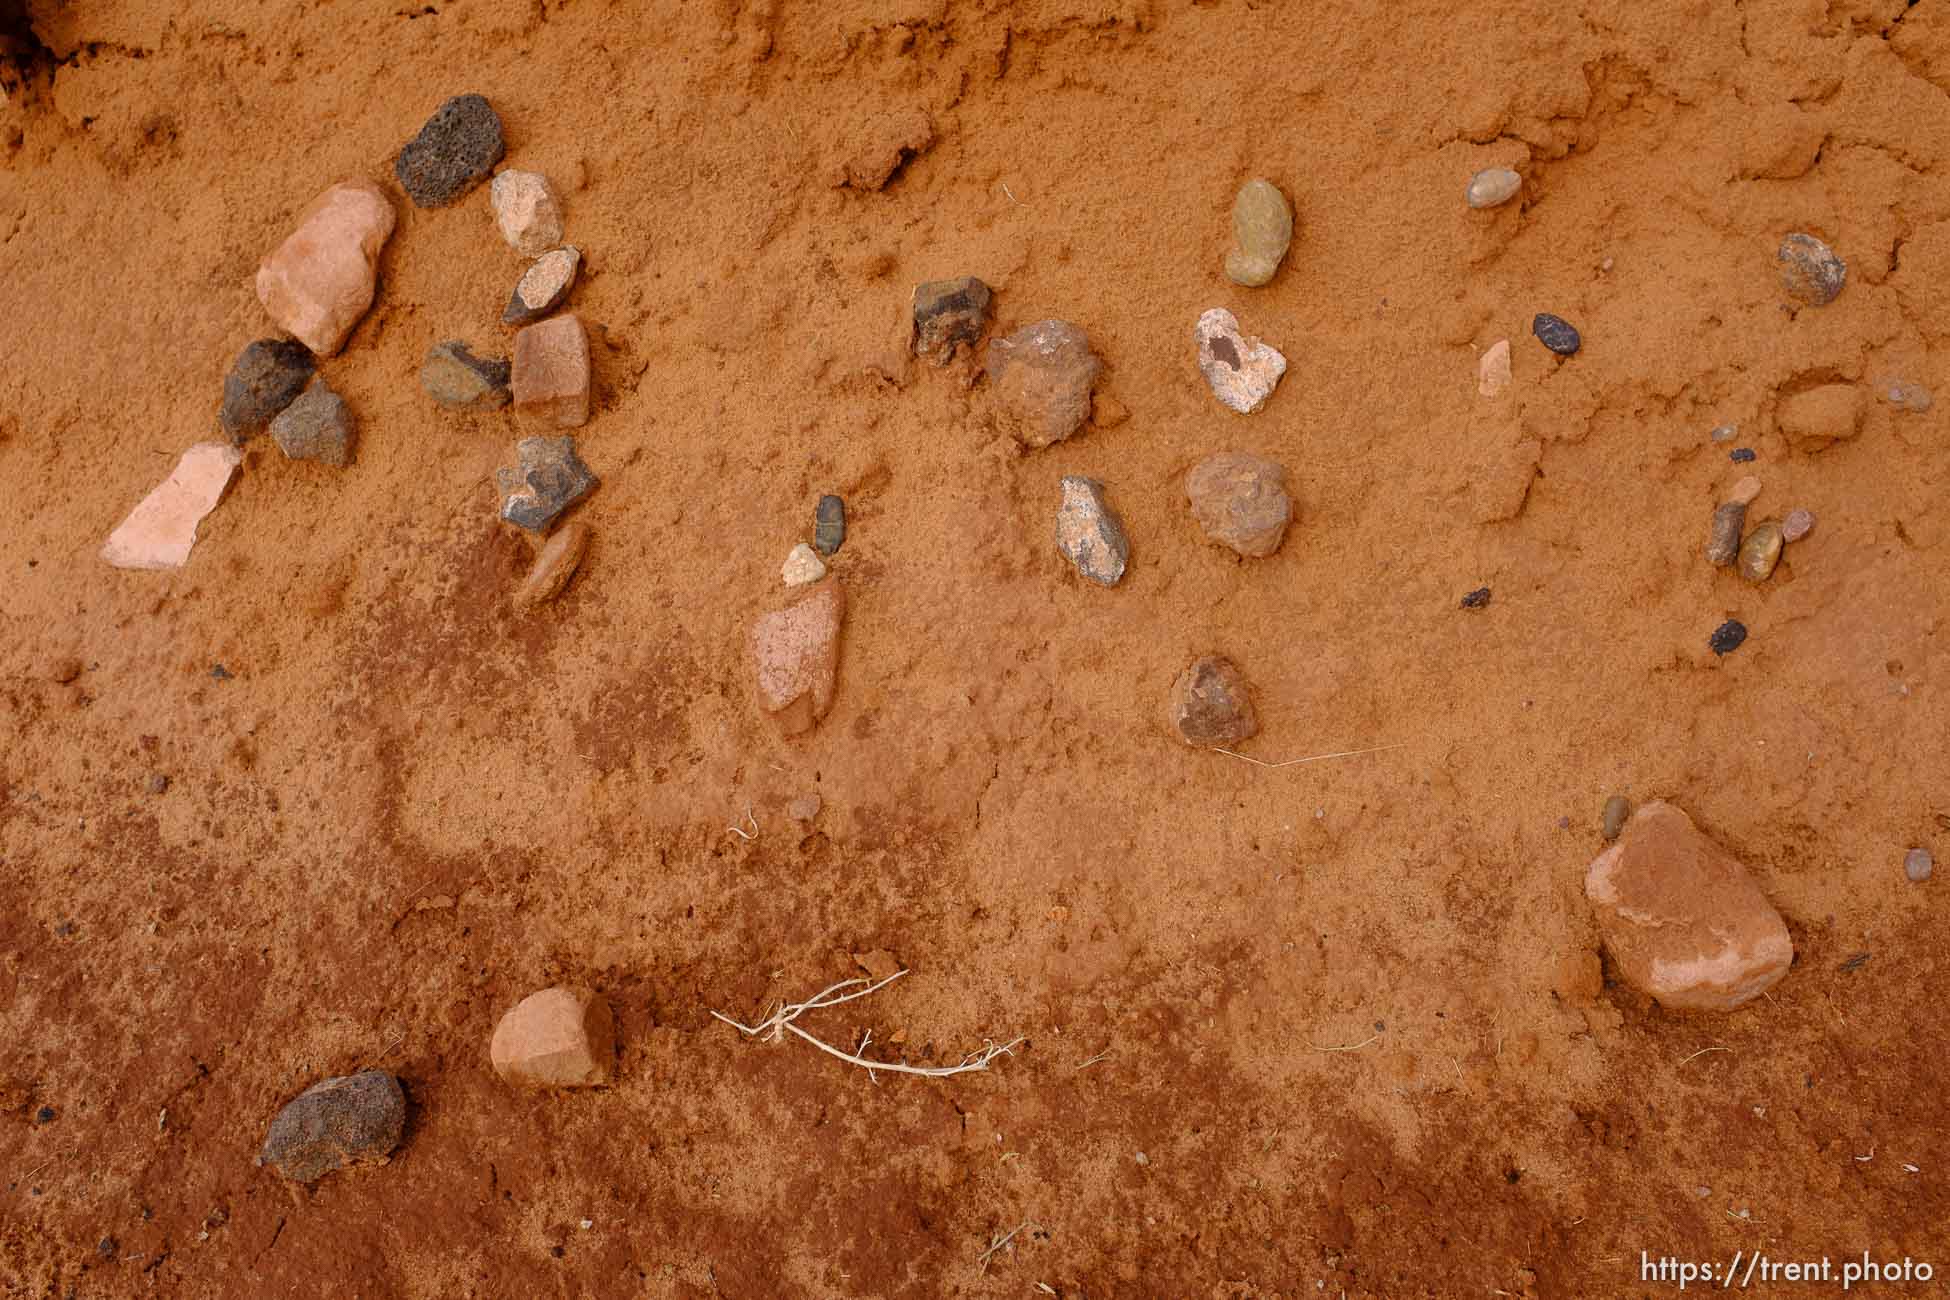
(159, 533)
(320, 281)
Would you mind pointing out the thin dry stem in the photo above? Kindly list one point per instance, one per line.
(1347, 1047)
(1311, 758)
(780, 1021)
(1703, 1051)
(999, 1242)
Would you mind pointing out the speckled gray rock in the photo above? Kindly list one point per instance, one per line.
(1810, 270)
(453, 152)
(1089, 532)
(1723, 544)
(1043, 374)
(1918, 864)
(1492, 187)
(1240, 500)
(551, 478)
(318, 426)
(543, 286)
(949, 315)
(355, 1119)
(267, 376)
(1241, 371)
(1262, 230)
(1761, 551)
(1212, 705)
(1797, 525)
(455, 377)
(1905, 395)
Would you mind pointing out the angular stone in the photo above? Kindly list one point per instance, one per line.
(458, 146)
(355, 1119)
(1211, 704)
(318, 426)
(1493, 371)
(1727, 637)
(802, 566)
(543, 286)
(829, 524)
(550, 480)
(1723, 543)
(320, 280)
(1240, 500)
(1492, 187)
(1798, 524)
(1043, 374)
(1089, 532)
(1262, 230)
(1761, 551)
(160, 531)
(557, 1038)
(1242, 372)
(1818, 417)
(1684, 921)
(554, 565)
(877, 149)
(949, 315)
(796, 655)
(267, 376)
(1810, 271)
(527, 211)
(455, 377)
(551, 372)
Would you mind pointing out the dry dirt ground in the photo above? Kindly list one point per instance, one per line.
(404, 808)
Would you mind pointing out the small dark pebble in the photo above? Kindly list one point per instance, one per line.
(45, 1115)
(1857, 962)
(1564, 823)
(267, 376)
(829, 525)
(1741, 455)
(453, 152)
(221, 673)
(1727, 637)
(106, 1247)
(1556, 333)
(1477, 598)
(158, 784)
(65, 929)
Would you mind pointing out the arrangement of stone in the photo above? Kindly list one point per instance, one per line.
(557, 1038)
(1262, 230)
(949, 315)
(1089, 533)
(1241, 371)
(1492, 187)
(796, 655)
(1211, 705)
(1759, 551)
(549, 479)
(317, 426)
(355, 1119)
(1043, 374)
(160, 531)
(1811, 273)
(555, 564)
(1240, 500)
(320, 281)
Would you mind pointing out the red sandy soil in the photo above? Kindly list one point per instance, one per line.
(407, 808)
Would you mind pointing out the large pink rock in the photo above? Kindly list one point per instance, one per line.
(159, 533)
(796, 652)
(558, 1038)
(319, 281)
(1682, 918)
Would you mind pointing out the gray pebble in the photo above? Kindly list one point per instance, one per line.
(158, 784)
(457, 378)
(1726, 433)
(317, 426)
(1724, 543)
(1907, 396)
(1810, 271)
(266, 377)
(355, 1119)
(550, 480)
(1493, 186)
(1917, 865)
(948, 315)
(1612, 821)
(829, 525)
(1556, 333)
(452, 154)
(1798, 524)
(1089, 532)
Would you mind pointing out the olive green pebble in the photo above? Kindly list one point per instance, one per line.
(1761, 551)
(1262, 229)
(1617, 809)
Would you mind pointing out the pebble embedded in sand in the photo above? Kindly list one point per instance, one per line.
(1241, 371)
(455, 377)
(1211, 704)
(1797, 525)
(829, 524)
(1761, 551)
(1043, 374)
(318, 426)
(458, 146)
(160, 531)
(1262, 231)
(1612, 820)
(1240, 500)
(1477, 599)
(795, 656)
(1745, 490)
(266, 377)
(802, 566)
(557, 1038)
(527, 211)
(355, 1119)
(543, 286)
(320, 280)
(550, 479)
(1905, 396)
(1727, 637)
(1492, 187)
(554, 565)
(1917, 865)
(949, 315)
(805, 808)
(1089, 533)
(550, 379)
(1556, 333)
(1682, 918)
(1493, 371)
(1723, 542)
(1725, 433)
(1810, 270)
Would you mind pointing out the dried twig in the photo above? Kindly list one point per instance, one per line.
(1347, 1047)
(1311, 758)
(1084, 1065)
(1002, 1240)
(780, 1021)
(748, 817)
(1703, 1051)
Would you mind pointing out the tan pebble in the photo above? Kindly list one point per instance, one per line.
(1617, 809)
(796, 655)
(1493, 371)
(526, 209)
(802, 565)
(554, 566)
(1761, 551)
(1491, 187)
(1798, 524)
(1745, 490)
(804, 808)
(558, 1038)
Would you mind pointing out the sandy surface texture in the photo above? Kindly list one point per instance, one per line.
(323, 801)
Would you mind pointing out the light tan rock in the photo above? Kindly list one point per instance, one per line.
(802, 566)
(1493, 371)
(551, 372)
(1492, 187)
(159, 532)
(1745, 490)
(796, 656)
(1683, 920)
(527, 211)
(557, 1038)
(554, 566)
(320, 280)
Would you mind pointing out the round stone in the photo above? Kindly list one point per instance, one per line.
(1725, 433)
(1727, 637)
(1917, 865)
(1491, 187)
(1761, 551)
(1798, 524)
(1810, 271)
(1556, 333)
(1262, 230)
(1745, 490)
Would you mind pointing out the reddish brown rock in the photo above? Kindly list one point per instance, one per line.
(558, 1038)
(551, 372)
(1043, 374)
(796, 655)
(1683, 920)
(319, 281)
(1211, 704)
(1240, 500)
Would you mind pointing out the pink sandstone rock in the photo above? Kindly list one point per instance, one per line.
(1493, 371)
(558, 1038)
(1682, 918)
(159, 533)
(319, 281)
(551, 372)
(796, 653)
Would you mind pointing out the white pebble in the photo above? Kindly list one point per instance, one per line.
(802, 566)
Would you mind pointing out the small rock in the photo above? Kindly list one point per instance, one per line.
(356, 1119)
(1492, 187)
(795, 653)
(318, 426)
(45, 1115)
(1477, 599)
(1725, 433)
(320, 281)
(1493, 371)
(1089, 532)
(458, 146)
(551, 478)
(829, 525)
(159, 532)
(455, 377)
(1723, 544)
(1240, 500)
(1262, 230)
(543, 286)
(1612, 820)
(551, 372)
(949, 315)
(557, 1038)
(527, 211)
(1745, 490)
(1106, 412)
(1810, 271)
(158, 784)
(1141, 1158)
(1817, 417)
(267, 376)
(1798, 524)
(555, 564)
(1918, 864)
(1211, 704)
(1242, 372)
(804, 808)
(1043, 374)
(1905, 396)
(802, 566)
(1727, 637)
(1684, 921)
(107, 1247)
(1556, 333)
(1742, 455)
(1761, 551)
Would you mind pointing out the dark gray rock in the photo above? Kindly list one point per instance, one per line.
(1810, 271)
(1727, 637)
(950, 314)
(455, 377)
(318, 426)
(1556, 333)
(355, 1119)
(452, 154)
(266, 377)
(543, 286)
(550, 480)
(829, 525)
